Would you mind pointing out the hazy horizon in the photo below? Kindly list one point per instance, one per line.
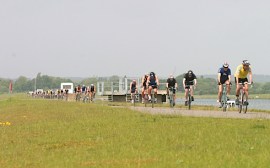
(67, 38)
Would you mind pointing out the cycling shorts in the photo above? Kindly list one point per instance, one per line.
(241, 80)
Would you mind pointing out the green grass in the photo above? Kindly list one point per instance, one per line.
(49, 133)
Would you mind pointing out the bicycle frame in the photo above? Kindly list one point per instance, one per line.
(171, 96)
(189, 96)
(224, 97)
(243, 97)
(134, 98)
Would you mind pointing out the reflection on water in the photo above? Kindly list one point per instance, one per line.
(253, 103)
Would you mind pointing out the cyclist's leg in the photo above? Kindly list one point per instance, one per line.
(90, 96)
(155, 93)
(237, 91)
(220, 88)
(228, 87)
(186, 93)
(174, 96)
(143, 93)
(192, 92)
(132, 96)
(246, 91)
(149, 92)
(238, 87)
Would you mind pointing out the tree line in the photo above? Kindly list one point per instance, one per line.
(206, 86)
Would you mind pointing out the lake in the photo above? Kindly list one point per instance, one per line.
(253, 103)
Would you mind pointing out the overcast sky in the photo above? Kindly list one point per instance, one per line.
(86, 38)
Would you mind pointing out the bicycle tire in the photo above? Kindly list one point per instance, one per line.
(171, 103)
(224, 98)
(133, 98)
(171, 98)
(189, 102)
(145, 100)
(244, 105)
(240, 106)
(224, 108)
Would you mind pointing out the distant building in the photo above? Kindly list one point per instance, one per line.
(68, 86)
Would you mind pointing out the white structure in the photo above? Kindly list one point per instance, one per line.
(231, 103)
(68, 86)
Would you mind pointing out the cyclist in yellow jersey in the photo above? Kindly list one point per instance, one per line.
(240, 75)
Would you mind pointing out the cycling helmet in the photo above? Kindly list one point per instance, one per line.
(225, 65)
(92, 84)
(190, 72)
(246, 62)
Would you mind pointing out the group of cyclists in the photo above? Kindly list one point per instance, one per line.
(86, 92)
(241, 75)
(150, 82)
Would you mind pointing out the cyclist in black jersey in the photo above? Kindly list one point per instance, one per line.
(172, 83)
(152, 82)
(144, 86)
(189, 81)
(133, 88)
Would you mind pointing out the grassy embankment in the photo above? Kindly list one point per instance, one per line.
(48, 133)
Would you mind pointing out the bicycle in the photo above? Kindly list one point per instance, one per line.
(134, 98)
(189, 96)
(86, 98)
(78, 96)
(91, 96)
(224, 98)
(171, 96)
(152, 100)
(243, 104)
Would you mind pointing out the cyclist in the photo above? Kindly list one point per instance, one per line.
(144, 86)
(92, 91)
(152, 82)
(84, 92)
(189, 81)
(224, 77)
(171, 82)
(241, 73)
(78, 92)
(133, 89)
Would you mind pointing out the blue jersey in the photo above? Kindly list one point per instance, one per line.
(224, 74)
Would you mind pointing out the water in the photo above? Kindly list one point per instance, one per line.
(253, 103)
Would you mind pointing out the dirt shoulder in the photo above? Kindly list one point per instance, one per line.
(202, 113)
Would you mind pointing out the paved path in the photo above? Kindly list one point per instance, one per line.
(202, 113)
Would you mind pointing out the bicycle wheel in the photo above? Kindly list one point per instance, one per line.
(244, 105)
(189, 102)
(224, 107)
(134, 99)
(240, 106)
(171, 98)
(152, 99)
(224, 102)
(145, 100)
